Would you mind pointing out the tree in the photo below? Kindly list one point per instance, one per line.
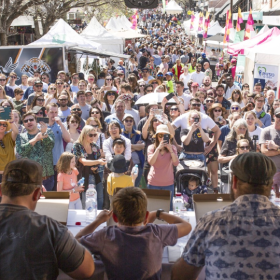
(52, 10)
(10, 10)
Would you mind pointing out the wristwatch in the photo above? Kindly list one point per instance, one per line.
(158, 213)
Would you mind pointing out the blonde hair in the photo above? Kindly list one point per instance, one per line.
(90, 119)
(193, 112)
(86, 130)
(250, 113)
(4, 92)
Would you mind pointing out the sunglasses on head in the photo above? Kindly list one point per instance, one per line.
(92, 135)
(244, 148)
(28, 120)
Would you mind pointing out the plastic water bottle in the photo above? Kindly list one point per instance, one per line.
(91, 203)
(135, 169)
(272, 196)
(178, 203)
(81, 182)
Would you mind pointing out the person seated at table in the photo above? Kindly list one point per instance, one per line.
(132, 249)
(25, 234)
(193, 188)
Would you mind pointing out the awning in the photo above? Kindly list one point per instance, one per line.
(23, 21)
(257, 15)
(98, 53)
(271, 20)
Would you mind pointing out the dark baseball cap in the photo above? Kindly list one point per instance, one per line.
(38, 82)
(254, 168)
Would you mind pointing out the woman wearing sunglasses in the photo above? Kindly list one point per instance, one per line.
(236, 96)
(38, 100)
(51, 96)
(109, 99)
(137, 146)
(73, 123)
(108, 85)
(88, 159)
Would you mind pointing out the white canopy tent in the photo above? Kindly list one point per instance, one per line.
(112, 24)
(213, 29)
(128, 34)
(173, 8)
(62, 33)
(97, 33)
(263, 30)
(126, 21)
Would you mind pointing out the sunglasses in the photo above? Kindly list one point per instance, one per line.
(142, 86)
(2, 80)
(144, 71)
(39, 113)
(278, 116)
(195, 105)
(76, 109)
(2, 144)
(160, 135)
(260, 100)
(244, 148)
(63, 99)
(3, 124)
(120, 74)
(95, 113)
(209, 101)
(154, 83)
(21, 94)
(42, 100)
(234, 108)
(52, 88)
(110, 94)
(28, 120)
(13, 77)
(149, 90)
(160, 75)
(92, 135)
(73, 122)
(218, 111)
(90, 79)
(65, 86)
(174, 109)
(39, 86)
(129, 121)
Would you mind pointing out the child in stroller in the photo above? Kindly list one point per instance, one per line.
(193, 187)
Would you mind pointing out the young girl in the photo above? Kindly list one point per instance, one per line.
(67, 179)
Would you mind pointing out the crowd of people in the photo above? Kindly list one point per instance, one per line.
(89, 126)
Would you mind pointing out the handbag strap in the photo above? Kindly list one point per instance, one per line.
(101, 143)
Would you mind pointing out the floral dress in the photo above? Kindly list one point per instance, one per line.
(213, 155)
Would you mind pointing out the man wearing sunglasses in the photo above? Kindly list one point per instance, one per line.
(220, 92)
(25, 234)
(230, 86)
(37, 144)
(9, 91)
(12, 81)
(32, 89)
(76, 110)
(146, 77)
(37, 75)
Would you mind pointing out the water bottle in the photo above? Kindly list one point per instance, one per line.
(91, 203)
(178, 203)
(135, 169)
(272, 196)
(81, 182)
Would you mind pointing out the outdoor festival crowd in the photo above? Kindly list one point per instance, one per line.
(89, 126)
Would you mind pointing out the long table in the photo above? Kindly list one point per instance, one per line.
(99, 274)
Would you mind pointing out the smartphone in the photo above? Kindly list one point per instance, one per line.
(196, 120)
(169, 96)
(255, 137)
(45, 120)
(166, 138)
(6, 114)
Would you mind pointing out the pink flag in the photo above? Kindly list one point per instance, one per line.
(192, 20)
(239, 20)
(200, 22)
(249, 26)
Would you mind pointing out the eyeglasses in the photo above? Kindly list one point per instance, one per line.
(52, 88)
(209, 101)
(95, 113)
(76, 109)
(195, 104)
(40, 100)
(130, 121)
(92, 135)
(28, 120)
(3, 124)
(160, 135)
(73, 122)
(39, 86)
(174, 109)
(244, 148)
(39, 113)
(64, 99)
(149, 90)
(234, 108)
(142, 86)
(110, 94)
(218, 111)
(59, 83)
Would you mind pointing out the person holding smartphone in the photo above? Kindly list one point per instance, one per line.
(162, 156)
(193, 138)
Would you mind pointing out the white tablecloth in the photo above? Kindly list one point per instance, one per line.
(80, 216)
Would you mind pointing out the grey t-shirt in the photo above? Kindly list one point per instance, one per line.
(35, 246)
(132, 252)
(85, 111)
(270, 133)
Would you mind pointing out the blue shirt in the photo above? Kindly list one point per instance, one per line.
(58, 143)
(224, 132)
(30, 90)
(113, 118)
(266, 120)
(239, 241)
(9, 91)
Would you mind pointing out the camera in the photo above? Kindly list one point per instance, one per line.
(255, 137)
(196, 120)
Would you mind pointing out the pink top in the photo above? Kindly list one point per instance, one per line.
(161, 173)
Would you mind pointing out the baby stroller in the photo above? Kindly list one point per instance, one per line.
(187, 169)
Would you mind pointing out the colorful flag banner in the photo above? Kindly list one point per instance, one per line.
(249, 26)
(134, 20)
(200, 22)
(192, 20)
(239, 20)
(226, 29)
(206, 24)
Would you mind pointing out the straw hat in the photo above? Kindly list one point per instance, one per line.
(155, 80)
(216, 105)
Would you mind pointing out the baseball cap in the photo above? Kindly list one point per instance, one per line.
(253, 168)
(195, 85)
(32, 169)
(277, 112)
(169, 73)
(127, 116)
(118, 164)
(120, 72)
(38, 82)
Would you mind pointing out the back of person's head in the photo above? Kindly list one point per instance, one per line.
(21, 177)
(130, 206)
(254, 173)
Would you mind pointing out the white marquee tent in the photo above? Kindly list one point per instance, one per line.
(213, 29)
(97, 33)
(173, 8)
(62, 33)
(112, 24)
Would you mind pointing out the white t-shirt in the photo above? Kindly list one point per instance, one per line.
(198, 77)
(187, 98)
(257, 131)
(182, 121)
(230, 90)
(13, 87)
(185, 79)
